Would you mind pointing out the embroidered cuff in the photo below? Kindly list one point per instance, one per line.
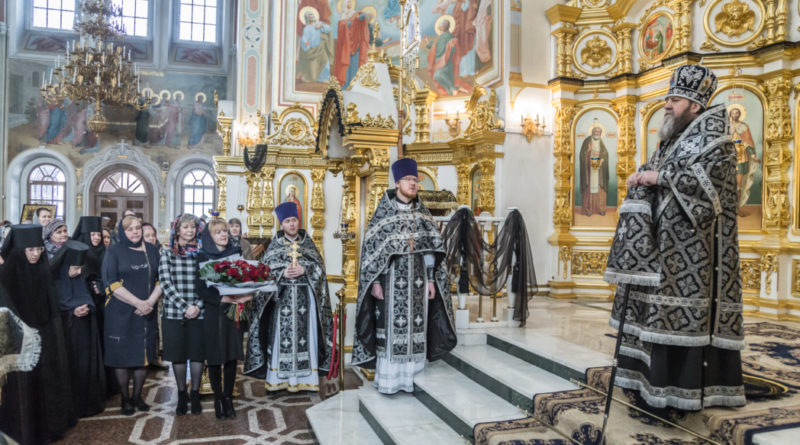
(429, 273)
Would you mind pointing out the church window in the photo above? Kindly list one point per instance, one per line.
(54, 14)
(198, 192)
(47, 185)
(134, 16)
(122, 181)
(198, 20)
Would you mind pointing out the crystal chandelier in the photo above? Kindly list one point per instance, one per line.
(96, 68)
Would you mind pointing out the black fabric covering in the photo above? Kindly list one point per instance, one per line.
(22, 236)
(88, 374)
(223, 339)
(511, 253)
(37, 405)
(71, 253)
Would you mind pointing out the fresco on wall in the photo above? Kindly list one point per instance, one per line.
(595, 178)
(179, 119)
(746, 114)
(332, 38)
(652, 131)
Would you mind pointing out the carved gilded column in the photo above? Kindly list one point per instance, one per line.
(625, 107)
(349, 217)
(253, 202)
(562, 168)
(565, 36)
(777, 155)
(462, 192)
(683, 17)
(267, 198)
(622, 32)
(222, 195)
(318, 206)
(769, 21)
(486, 197)
(422, 101)
(781, 11)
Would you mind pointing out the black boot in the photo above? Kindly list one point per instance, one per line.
(219, 411)
(227, 405)
(197, 408)
(126, 407)
(140, 405)
(183, 401)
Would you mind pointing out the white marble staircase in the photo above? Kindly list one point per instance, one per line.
(492, 375)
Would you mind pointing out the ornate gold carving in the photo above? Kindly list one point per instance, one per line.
(378, 121)
(751, 274)
(222, 194)
(735, 19)
(564, 257)
(769, 264)
(462, 190)
(777, 155)
(482, 112)
(708, 46)
(423, 99)
(295, 131)
(562, 168)
(352, 114)
(486, 196)
(596, 53)
(225, 128)
(367, 77)
(589, 262)
(565, 36)
(622, 32)
(79, 201)
(626, 148)
(318, 206)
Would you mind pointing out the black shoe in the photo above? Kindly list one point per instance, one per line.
(140, 405)
(219, 411)
(183, 401)
(126, 407)
(227, 406)
(197, 408)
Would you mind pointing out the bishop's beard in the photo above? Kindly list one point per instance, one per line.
(672, 126)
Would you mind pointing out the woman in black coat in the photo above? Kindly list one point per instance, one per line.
(223, 337)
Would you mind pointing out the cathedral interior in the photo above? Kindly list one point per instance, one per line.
(546, 107)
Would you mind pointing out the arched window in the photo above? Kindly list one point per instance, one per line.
(48, 185)
(122, 181)
(198, 192)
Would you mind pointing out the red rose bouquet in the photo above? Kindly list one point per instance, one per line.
(236, 278)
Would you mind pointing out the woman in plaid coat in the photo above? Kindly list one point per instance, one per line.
(182, 309)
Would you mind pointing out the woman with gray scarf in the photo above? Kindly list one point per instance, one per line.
(54, 234)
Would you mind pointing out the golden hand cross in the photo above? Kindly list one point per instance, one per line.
(294, 254)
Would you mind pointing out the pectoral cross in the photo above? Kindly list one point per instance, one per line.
(294, 254)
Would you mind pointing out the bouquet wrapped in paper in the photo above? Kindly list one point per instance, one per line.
(235, 279)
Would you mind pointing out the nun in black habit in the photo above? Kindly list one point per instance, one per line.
(78, 315)
(36, 406)
(89, 231)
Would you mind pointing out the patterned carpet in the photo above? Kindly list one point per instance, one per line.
(277, 418)
(771, 364)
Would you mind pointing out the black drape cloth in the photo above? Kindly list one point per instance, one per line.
(37, 405)
(511, 255)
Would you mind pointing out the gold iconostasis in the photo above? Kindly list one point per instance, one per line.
(613, 61)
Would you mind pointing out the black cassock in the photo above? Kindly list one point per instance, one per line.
(37, 406)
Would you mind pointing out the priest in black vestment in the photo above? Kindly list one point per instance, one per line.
(676, 247)
(290, 338)
(36, 406)
(404, 312)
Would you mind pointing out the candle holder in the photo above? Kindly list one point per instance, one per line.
(531, 127)
(453, 124)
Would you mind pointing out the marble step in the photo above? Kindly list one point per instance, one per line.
(460, 401)
(401, 419)
(336, 421)
(557, 356)
(512, 378)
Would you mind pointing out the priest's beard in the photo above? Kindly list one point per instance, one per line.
(672, 125)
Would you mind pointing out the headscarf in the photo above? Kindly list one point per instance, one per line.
(158, 244)
(94, 258)
(210, 249)
(50, 246)
(191, 248)
(123, 239)
(29, 285)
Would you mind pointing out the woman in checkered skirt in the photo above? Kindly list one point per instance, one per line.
(182, 309)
